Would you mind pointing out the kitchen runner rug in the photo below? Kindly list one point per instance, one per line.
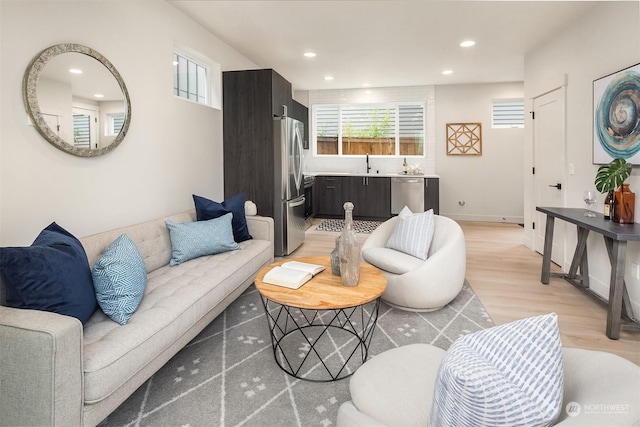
(227, 375)
(338, 224)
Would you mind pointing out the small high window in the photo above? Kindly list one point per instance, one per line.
(507, 113)
(116, 121)
(190, 78)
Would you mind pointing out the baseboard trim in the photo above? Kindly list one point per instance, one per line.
(485, 218)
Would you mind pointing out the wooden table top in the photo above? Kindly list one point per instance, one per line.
(324, 291)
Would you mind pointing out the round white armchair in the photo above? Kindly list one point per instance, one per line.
(414, 284)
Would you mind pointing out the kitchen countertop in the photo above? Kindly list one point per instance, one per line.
(372, 174)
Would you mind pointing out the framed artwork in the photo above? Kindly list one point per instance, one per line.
(464, 139)
(616, 116)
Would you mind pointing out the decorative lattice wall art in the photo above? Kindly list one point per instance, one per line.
(464, 139)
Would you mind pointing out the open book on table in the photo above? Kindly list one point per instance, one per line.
(292, 274)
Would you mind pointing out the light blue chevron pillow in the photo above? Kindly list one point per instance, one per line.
(506, 376)
(191, 240)
(119, 278)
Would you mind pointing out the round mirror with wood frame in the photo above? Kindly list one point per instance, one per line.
(48, 80)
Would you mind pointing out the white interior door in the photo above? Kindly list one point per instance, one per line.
(549, 162)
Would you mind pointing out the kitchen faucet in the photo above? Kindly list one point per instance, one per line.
(368, 167)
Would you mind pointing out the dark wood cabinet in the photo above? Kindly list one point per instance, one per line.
(327, 197)
(250, 101)
(371, 196)
(300, 112)
(432, 195)
(281, 94)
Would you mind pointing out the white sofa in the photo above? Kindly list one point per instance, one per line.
(395, 388)
(54, 371)
(420, 285)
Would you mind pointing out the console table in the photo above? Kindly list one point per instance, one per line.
(616, 237)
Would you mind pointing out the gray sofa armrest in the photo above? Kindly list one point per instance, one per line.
(261, 227)
(40, 368)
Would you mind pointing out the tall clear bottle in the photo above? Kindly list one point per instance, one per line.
(349, 249)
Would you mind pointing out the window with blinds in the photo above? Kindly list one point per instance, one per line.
(507, 113)
(116, 121)
(374, 129)
(190, 78)
(81, 130)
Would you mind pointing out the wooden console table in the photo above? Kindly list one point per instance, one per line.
(616, 237)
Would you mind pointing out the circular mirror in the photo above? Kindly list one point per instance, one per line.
(77, 100)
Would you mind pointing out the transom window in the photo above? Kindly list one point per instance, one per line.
(190, 78)
(507, 113)
(374, 129)
(116, 121)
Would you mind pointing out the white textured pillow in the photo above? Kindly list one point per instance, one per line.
(508, 375)
(413, 233)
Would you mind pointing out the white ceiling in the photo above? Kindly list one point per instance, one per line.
(385, 43)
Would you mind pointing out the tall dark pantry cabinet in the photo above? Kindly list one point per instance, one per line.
(251, 101)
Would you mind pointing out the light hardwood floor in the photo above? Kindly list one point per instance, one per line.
(505, 275)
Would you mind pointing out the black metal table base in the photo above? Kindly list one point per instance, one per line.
(321, 345)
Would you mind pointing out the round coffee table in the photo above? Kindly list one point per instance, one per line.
(322, 330)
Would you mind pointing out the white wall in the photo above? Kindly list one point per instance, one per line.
(603, 41)
(173, 148)
(486, 187)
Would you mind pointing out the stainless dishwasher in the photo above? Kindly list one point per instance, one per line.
(407, 191)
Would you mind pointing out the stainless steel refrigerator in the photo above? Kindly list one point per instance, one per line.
(288, 216)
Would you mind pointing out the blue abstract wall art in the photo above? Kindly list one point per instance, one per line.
(616, 116)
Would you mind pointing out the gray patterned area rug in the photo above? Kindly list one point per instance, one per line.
(227, 375)
(338, 224)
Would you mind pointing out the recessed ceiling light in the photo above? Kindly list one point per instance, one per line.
(328, 78)
(310, 54)
(447, 72)
(75, 71)
(366, 84)
(467, 43)
(98, 95)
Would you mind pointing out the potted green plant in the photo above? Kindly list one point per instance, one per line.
(611, 177)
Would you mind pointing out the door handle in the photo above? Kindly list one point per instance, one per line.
(558, 186)
(296, 204)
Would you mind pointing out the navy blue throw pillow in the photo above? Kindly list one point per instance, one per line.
(52, 274)
(208, 209)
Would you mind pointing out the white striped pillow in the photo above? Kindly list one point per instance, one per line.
(413, 233)
(508, 375)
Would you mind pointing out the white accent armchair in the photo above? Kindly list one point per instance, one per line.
(420, 285)
(395, 388)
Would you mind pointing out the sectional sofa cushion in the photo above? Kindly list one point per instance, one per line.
(119, 278)
(52, 274)
(194, 239)
(208, 209)
(508, 375)
(413, 233)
